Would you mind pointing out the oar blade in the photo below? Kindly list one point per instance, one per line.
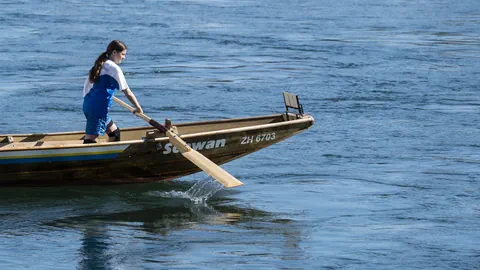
(202, 162)
(212, 169)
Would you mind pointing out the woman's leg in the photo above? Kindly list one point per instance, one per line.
(93, 129)
(113, 132)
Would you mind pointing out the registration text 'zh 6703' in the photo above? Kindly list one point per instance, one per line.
(258, 139)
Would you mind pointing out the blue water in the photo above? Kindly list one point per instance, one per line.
(387, 178)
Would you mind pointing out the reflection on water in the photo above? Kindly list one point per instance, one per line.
(94, 248)
(156, 223)
(107, 220)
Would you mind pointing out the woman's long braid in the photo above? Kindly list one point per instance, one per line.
(94, 72)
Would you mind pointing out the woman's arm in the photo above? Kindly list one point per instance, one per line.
(131, 97)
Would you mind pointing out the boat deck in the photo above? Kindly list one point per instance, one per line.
(63, 139)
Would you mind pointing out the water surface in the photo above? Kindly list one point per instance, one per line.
(387, 178)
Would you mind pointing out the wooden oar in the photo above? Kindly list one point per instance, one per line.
(191, 154)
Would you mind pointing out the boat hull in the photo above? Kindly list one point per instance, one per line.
(150, 158)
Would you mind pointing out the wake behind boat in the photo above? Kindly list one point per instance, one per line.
(144, 154)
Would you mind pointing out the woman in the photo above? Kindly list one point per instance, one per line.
(103, 79)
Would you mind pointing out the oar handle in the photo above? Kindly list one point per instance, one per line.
(141, 115)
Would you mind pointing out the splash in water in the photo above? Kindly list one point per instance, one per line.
(198, 193)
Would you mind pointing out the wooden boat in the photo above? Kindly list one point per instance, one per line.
(144, 154)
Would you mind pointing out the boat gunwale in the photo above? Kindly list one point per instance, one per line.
(220, 121)
(304, 118)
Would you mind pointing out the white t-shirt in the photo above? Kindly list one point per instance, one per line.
(97, 96)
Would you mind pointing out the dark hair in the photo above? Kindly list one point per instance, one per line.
(115, 45)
